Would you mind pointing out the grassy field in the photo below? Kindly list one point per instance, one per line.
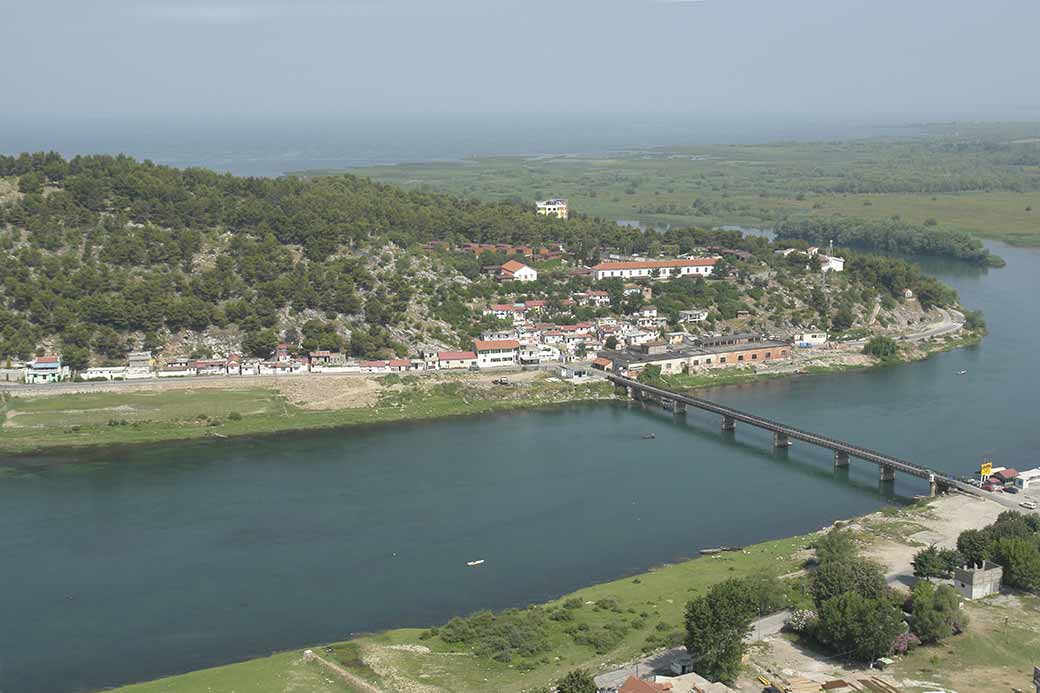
(281, 673)
(646, 608)
(753, 185)
(997, 653)
(129, 418)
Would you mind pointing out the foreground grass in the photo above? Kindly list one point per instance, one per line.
(646, 608)
(997, 652)
(133, 418)
(278, 673)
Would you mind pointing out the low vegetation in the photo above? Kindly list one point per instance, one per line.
(1013, 542)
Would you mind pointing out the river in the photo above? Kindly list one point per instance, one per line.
(130, 565)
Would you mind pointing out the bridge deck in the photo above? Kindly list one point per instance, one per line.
(857, 451)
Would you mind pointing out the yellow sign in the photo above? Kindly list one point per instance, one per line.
(986, 469)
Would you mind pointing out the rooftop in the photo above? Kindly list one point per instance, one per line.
(492, 344)
(656, 264)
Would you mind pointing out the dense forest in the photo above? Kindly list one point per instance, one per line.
(889, 236)
(101, 254)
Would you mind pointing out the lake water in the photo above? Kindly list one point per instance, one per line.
(266, 146)
(131, 565)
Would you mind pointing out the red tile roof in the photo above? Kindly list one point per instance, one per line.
(400, 362)
(513, 266)
(656, 264)
(455, 355)
(634, 685)
(47, 359)
(496, 344)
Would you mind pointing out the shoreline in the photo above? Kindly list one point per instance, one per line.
(391, 406)
(393, 655)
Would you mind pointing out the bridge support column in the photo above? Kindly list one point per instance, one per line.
(728, 423)
(668, 404)
(678, 407)
(933, 487)
(635, 393)
(780, 440)
(887, 473)
(841, 459)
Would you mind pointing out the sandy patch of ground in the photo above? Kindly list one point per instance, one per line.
(329, 392)
(382, 660)
(944, 520)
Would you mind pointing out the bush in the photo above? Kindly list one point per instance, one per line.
(573, 603)
(234, 416)
(882, 347)
(835, 545)
(857, 575)
(863, 628)
(501, 636)
(577, 681)
(938, 563)
(937, 612)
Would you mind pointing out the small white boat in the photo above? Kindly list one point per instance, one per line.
(961, 372)
(472, 564)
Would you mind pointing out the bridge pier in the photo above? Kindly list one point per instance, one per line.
(667, 404)
(780, 440)
(933, 487)
(887, 473)
(635, 393)
(841, 459)
(728, 423)
(678, 408)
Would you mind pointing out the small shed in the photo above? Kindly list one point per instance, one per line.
(975, 582)
(1006, 476)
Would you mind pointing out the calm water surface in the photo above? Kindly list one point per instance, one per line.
(139, 564)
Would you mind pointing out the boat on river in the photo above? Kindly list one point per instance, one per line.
(961, 372)
(649, 436)
(473, 564)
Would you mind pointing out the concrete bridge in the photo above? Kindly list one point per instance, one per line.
(784, 434)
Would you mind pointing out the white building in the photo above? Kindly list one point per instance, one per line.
(455, 360)
(829, 263)
(15, 373)
(696, 315)
(1030, 478)
(514, 271)
(46, 369)
(104, 373)
(655, 269)
(810, 339)
(555, 207)
(496, 353)
(505, 311)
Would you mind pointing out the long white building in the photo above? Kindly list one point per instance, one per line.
(655, 269)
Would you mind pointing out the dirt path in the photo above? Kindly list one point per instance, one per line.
(339, 671)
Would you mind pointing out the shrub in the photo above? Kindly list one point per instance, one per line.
(234, 416)
(500, 636)
(882, 347)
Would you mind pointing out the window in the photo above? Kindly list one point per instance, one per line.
(768, 354)
(740, 357)
(722, 359)
(754, 357)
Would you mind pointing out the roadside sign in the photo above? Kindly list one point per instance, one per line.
(986, 469)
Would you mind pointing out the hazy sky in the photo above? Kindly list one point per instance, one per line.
(880, 58)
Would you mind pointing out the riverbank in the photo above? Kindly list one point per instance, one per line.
(130, 414)
(53, 418)
(610, 625)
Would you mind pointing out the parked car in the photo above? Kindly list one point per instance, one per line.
(1011, 489)
(1028, 505)
(989, 487)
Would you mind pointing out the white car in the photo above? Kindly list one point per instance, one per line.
(1028, 505)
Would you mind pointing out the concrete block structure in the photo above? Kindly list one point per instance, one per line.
(975, 583)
